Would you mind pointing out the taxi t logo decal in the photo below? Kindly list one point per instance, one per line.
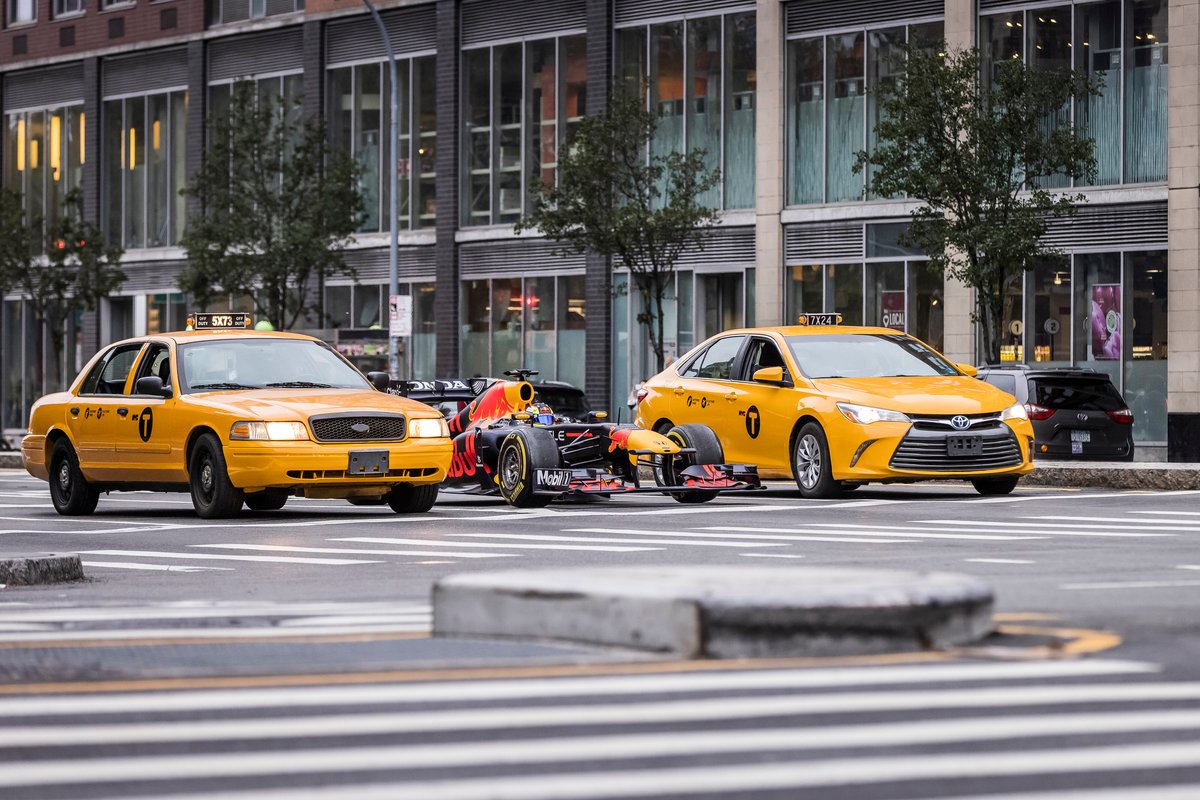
(753, 421)
(145, 423)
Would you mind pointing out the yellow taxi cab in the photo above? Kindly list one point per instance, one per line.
(835, 407)
(234, 416)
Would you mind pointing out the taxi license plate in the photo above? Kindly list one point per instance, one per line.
(368, 462)
(1081, 436)
(964, 445)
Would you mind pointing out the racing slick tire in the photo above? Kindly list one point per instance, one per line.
(993, 486)
(810, 464)
(708, 451)
(213, 496)
(69, 490)
(523, 452)
(267, 500)
(406, 499)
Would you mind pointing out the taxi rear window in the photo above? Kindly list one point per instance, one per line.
(866, 355)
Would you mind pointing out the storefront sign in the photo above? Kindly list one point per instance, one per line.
(1106, 321)
(400, 315)
(892, 305)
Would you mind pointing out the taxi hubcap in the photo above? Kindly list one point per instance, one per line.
(808, 461)
(206, 478)
(64, 476)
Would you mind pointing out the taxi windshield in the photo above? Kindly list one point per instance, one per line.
(866, 355)
(231, 364)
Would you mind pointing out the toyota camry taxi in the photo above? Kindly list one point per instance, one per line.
(235, 417)
(835, 407)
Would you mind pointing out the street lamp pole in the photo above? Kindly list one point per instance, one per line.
(394, 187)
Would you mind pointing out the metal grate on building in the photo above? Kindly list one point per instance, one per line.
(517, 257)
(151, 276)
(721, 248)
(627, 12)
(411, 30)
(806, 16)
(1109, 227)
(257, 54)
(492, 21)
(143, 72)
(823, 242)
(43, 88)
(370, 265)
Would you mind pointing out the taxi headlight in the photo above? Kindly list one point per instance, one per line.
(865, 415)
(273, 431)
(1015, 411)
(428, 428)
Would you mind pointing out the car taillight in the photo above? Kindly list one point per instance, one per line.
(1038, 412)
(1121, 415)
(641, 394)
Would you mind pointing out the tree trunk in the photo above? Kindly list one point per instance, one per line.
(659, 352)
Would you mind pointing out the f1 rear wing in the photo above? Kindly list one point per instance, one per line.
(465, 389)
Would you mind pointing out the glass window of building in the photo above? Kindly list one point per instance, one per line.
(20, 11)
(65, 8)
(44, 154)
(359, 121)
(144, 167)
(831, 113)
(702, 81)
(225, 11)
(521, 102)
(1122, 46)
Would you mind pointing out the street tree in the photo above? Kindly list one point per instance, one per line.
(614, 197)
(277, 207)
(59, 269)
(984, 154)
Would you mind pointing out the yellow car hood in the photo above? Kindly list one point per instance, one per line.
(292, 404)
(925, 395)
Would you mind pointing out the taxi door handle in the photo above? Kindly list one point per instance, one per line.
(731, 397)
(122, 412)
(679, 390)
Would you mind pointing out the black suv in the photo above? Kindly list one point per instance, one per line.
(1076, 412)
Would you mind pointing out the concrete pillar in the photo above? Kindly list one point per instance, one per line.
(598, 377)
(962, 21)
(769, 166)
(445, 301)
(1183, 224)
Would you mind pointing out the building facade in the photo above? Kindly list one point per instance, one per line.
(111, 99)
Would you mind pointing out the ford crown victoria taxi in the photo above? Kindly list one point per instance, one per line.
(835, 407)
(234, 417)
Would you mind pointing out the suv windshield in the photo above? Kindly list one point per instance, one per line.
(866, 355)
(264, 364)
(1076, 394)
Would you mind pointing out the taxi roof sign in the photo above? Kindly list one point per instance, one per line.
(206, 321)
(819, 319)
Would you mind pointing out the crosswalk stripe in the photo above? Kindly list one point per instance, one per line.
(523, 689)
(1178, 792)
(152, 567)
(740, 778)
(514, 718)
(193, 610)
(766, 533)
(133, 634)
(212, 556)
(440, 543)
(1172, 513)
(842, 531)
(279, 548)
(552, 538)
(1049, 528)
(1168, 524)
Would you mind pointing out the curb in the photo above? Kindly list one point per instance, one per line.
(1115, 475)
(11, 460)
(720, 612)
(34, 570)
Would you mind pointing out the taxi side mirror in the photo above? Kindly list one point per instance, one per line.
(380, 380)
(773, 375)
(151, 385)
(969, 370)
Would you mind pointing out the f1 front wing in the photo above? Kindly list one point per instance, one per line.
(699, 478)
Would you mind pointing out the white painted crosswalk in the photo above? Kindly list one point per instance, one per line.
(1092, 725)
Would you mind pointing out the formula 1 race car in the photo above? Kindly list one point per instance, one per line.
(507, 443)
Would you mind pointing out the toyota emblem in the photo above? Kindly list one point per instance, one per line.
(960, 422)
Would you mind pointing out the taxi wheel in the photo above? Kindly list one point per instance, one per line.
(69, 490)
(708, 451)
(405, 499)
(810, 464)
(1003, 485)
(524, 451)
(268, 500)
(213, 496)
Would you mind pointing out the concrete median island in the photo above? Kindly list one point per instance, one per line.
(720, 612)
(35, 570)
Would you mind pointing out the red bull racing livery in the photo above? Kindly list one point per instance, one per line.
(506, 442)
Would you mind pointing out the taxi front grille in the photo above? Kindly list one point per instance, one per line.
(930, 454)
(358, 428)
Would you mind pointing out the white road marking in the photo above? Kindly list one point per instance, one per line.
(655, 745)
(203, 610)
(1077, 496)
(153, 567)
(764, 533)
(842, 531)
(999, 561)
(1167, 524)
(1132, 585)
(768, 555)
(596, 548)
(540, 537)
(1172, 513)
(361, 619)
(278, 548)
(739, 778)
(548, 688)
(272, 559)
(136, 634)
(1051, 528)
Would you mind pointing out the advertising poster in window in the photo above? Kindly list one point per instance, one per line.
(892, 309)
(1106, 321)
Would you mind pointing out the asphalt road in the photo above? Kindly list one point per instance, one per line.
(285, 655)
